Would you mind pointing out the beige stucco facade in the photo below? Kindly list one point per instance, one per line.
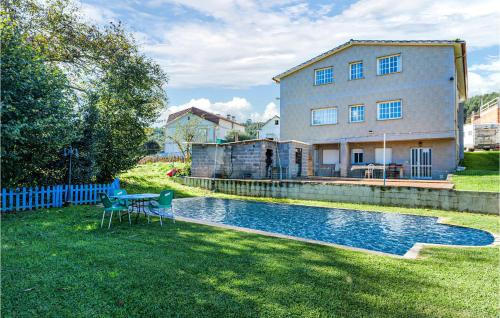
(427, 87)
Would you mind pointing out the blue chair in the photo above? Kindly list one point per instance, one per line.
(162, 207)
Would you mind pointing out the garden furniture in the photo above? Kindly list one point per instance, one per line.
(163, 206)
(111, 207)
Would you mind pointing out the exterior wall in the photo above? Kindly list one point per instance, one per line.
(489, 116)
(270, 129)
(211, 132)
(428, 95)
(444, 156)
(481, 202)
(248, 159)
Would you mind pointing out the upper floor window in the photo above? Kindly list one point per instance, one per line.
(276, 122)
(355, 70)
(389, 64)
(356, 113)
(323, 76)
(389, 110)
(324, 116)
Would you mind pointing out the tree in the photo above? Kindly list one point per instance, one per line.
(251, 128)
(151, 147)
(120, 92)
(36, 110)
(234, 135)
(184, 132)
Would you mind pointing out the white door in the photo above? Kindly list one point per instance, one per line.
(421, 163)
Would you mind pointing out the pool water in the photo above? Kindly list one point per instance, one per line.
(383, 232)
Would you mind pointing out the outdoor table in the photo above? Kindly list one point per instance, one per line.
(138, 201)
(377, 167)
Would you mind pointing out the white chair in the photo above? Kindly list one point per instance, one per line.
(369, 171)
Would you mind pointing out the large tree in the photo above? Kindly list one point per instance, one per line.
(120, 91)
(36, 110)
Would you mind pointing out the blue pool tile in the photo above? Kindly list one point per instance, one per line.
(383, 232)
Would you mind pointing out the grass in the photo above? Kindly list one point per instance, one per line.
(59, 263)
(481, 174)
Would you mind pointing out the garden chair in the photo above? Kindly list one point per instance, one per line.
(162, 207)
(110, 206)
(369, 171)
(117, 192)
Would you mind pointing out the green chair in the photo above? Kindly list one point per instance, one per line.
(117, 192)
(110, 206)
(163, 207)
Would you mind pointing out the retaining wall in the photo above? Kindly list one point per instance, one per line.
(482, 202)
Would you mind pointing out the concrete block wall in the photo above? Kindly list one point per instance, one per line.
(470, 201)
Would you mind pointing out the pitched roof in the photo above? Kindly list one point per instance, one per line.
(459, 46)
(200, 113)
(270, 120)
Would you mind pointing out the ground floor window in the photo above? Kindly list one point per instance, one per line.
(379, 155)
(357, 156)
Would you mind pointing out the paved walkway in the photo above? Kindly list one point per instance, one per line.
(432, 184)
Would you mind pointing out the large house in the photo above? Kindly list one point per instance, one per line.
(345, 100)
(208, 128)
(270, 129)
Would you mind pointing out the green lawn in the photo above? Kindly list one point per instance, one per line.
(481, 174)
(59, 263)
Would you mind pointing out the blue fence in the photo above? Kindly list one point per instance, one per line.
(53, 196)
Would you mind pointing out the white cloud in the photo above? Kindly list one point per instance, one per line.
(484, 78)
(269, 112)
(248, 42)
(96, 14)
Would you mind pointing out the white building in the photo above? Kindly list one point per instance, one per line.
(212, 127)
(270, 129)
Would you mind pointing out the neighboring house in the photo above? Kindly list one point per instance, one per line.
(211, 127)
(270, 129)
(344, 101)
(482, 130)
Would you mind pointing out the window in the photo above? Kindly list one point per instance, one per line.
(379, 155)
(355, 70)
(276, 122)
(323, 76)
(324, 116)
(389, 110)
(389, 64)
(357, 113)
(357, 156)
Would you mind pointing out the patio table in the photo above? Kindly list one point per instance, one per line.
(138, 201)
(377, 167)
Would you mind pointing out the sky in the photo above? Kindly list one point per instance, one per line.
(221, 55)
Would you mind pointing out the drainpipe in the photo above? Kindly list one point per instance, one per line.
(384, 160)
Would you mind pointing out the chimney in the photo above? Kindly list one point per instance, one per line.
(234, 118)
(228, 116)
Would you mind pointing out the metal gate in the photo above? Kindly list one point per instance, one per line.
(421, 163)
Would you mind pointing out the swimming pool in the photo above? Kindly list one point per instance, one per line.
(382, 232)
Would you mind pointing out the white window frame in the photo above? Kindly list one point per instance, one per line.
(325, 82)
(324, 109)
(357, 151)
(351, 78)
(364, 113)
(399, 68)
(386, 102)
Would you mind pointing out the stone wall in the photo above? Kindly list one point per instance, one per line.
(482, 202)
(247, 159)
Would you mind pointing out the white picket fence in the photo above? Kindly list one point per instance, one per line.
(53, 196)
